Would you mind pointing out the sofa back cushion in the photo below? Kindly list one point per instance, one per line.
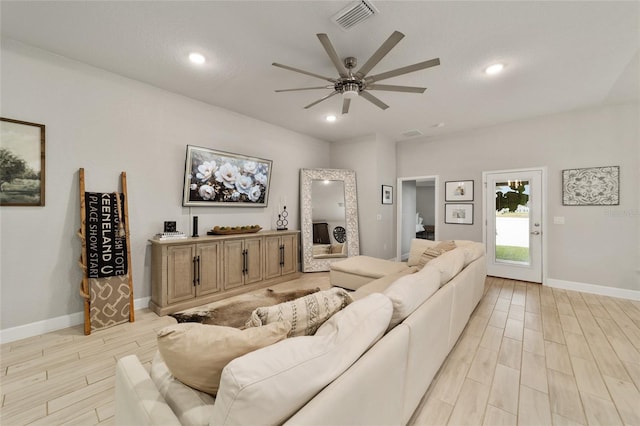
(418, 246)
(449, 264)
(269, 385)
(305, 314)
(410, 291)
(196, 353)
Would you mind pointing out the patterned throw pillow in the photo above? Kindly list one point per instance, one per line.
(305, 314)
(432, 252)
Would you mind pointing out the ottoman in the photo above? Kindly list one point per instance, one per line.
(357, 271)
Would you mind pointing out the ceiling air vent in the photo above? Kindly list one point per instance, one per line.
(353, 14)
(411, 133)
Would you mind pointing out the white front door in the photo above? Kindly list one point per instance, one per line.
(513, 203)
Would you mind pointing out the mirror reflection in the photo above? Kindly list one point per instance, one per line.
(328, 218)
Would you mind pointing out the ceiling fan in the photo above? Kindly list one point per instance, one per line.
(351, 84)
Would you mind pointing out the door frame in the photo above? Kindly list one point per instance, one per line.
(545, 203)
(436, 200)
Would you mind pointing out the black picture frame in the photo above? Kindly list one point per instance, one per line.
(458, 190)
(458, 213)
(387, 194)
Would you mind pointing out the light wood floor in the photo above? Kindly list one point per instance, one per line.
(530, 355)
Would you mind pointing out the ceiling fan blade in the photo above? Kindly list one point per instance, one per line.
(377, 102)
(304, 88)
(345, 105)
(404, 70)
(321, 99)
(326, 43)
(394, 88)
(286, 67)
(382, 51)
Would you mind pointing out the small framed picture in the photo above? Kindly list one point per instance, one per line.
(387, 194)
(458, 190)
(461, 214)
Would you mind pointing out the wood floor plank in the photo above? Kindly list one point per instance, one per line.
(505, 389)
(534, 372)
(492, 338)
(449, 381)
(483, 366)
(532, 321)
(564, 397)
(625, 396)
(600, 412)
(557, 357)
(513, 329)
(533, 341)
(471, 404)
(577, 345)
(588, 378)
(433, 412)
(533, 408)
(510, 353)
(619, 340)
(497, 417)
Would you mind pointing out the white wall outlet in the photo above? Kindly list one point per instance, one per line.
(558, 220)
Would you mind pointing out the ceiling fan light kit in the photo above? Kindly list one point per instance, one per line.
(351, 85)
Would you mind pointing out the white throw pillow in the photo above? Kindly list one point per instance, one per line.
(269, 385)
(196, 353)
(410, 291)
(418, 246)
(306, 314)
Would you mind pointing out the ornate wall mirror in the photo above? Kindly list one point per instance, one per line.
(329, 217)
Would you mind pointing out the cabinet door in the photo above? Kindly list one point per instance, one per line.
(273, 257)
(209, 256)
(254, 250)
(290, 254)
(180, 273)
(233, 264)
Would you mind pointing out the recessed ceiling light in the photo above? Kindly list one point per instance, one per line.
(197, 58)
(330, 118)
(494, 69)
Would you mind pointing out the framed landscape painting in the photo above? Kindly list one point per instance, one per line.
(21, 163)
(458, 213)
(217, 178)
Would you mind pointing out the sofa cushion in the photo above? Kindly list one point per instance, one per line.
(305, 314)
(321, 249)
(431, 253)
(336, 248)
(381, 284)
(449, 264)
(269, 385)
(410, 291)
(196, 353)
(191, 406)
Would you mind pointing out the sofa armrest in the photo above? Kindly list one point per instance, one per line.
(137, 400)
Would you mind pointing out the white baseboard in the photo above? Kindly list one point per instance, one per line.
(53, 324)
(622, 293)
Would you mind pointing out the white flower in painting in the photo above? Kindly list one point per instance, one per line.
(193, 187)
(206, 170)
(227, 174)
(235, 196)
(243, 184)
(250, 167)
(207, 192)
(254, 193)
(261, 178)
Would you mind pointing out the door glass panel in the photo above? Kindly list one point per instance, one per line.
(512, 222)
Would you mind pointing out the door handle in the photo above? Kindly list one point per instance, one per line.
(535, 232)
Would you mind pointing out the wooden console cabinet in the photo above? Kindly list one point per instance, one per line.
(194, 271)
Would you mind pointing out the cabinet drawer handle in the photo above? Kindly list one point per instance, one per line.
(282, 255)
(195, 271)
(198, 279)
(244, 262)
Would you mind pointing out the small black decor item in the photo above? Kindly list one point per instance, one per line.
(195, 227)
(281, 224)
(170, 226)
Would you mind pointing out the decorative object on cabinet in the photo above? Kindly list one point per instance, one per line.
(343, 199)
(458, 190)
(195, 271)
(458, 213)
(594, 186)
(387, 194)
(340, 234)
(105, 259)
(217, 178)
(228, 230)
(282, 222)
(170, 226)
(21, 163)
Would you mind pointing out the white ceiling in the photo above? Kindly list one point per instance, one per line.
(560, 56)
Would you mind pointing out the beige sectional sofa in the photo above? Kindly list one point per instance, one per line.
(369, 364)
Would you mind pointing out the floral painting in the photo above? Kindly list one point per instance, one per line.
(215, 178)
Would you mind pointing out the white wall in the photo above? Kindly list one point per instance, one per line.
(409, 208)
(108, 124)
(373, 159)
(596, 245)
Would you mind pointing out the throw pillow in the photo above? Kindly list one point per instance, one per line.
(321, 249)
(410, 291)
(432, 252)
(196, 353)
(305, 314)
(268, 386)
(336, 248)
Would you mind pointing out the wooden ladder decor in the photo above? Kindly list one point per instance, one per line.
(107, 279)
